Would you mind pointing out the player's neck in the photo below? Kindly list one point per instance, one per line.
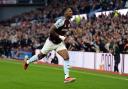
(67, 17)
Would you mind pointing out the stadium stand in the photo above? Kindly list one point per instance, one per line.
(29, 30)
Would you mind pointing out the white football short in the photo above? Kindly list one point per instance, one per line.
(49, 46)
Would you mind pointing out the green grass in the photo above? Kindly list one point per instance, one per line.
(13, 76)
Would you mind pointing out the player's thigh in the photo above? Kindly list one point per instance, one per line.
(48, 46)
(62, 51)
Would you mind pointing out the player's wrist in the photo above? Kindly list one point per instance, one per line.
(62, 37)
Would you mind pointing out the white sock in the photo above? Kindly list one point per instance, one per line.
(66, 68)
(32, 59)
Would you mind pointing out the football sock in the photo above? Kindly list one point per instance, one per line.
(32, 59)
(66, 68)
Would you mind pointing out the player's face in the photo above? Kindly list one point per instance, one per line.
(69, 12)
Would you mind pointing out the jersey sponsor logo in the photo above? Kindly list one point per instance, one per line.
(64, 30)
(67, 25)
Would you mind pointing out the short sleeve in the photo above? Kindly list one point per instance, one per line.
(59, 23)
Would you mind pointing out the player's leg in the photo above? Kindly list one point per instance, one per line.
(62, 51)
(33, 59)
(48, 46)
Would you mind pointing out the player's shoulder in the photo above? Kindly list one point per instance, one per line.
(61, 19)
(60, 22)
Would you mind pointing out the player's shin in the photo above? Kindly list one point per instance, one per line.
(32, 59)
(66, 68)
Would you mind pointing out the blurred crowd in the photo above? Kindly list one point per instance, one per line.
(79, 6)
(29, 31)
(100, 34)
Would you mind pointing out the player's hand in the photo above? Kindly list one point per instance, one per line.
(62, 37)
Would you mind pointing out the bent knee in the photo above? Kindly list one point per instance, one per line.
(40, 56)
(66, 58)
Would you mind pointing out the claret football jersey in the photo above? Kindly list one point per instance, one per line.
(62, 25)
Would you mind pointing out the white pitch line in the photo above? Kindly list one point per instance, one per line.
(100, 75)
(82, 72)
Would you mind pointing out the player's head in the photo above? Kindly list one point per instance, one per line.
(68, 12)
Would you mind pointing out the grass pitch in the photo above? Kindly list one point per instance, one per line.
(13, 76)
